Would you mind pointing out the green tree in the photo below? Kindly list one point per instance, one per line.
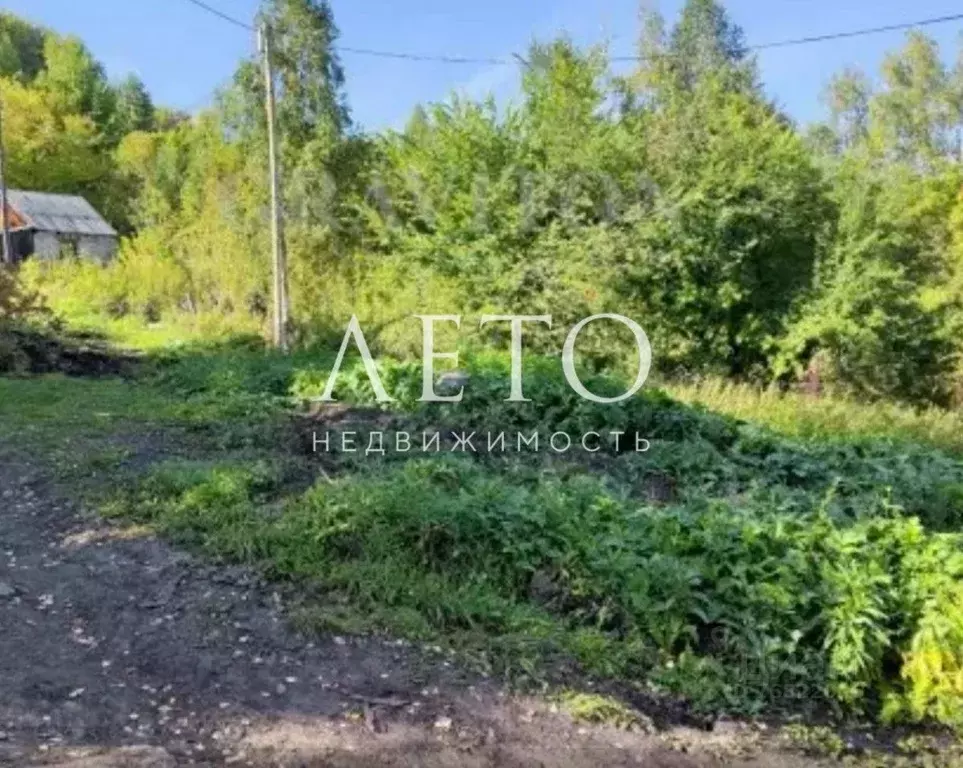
(21, 48)
(848, 98)
(512, 207)
(312, 105)
(884, 318)
(867, 332)
(46, 149)
(134, 107)
(732, 237)
(75, 82)
(918, 115)
(728, 241)
(202, 185)
(704, 43)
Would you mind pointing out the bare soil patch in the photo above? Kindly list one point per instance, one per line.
(117, 650)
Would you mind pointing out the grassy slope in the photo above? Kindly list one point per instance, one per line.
(780, 573)
(805, 416)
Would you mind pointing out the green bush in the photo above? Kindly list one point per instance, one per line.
(869, 335)
(741, 606)
(703, 452)
(771, 604)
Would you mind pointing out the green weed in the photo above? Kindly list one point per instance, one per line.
(783, 574)
(599, 710)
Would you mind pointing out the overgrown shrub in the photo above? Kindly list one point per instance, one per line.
(741, 606)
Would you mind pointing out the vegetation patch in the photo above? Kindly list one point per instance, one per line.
(601, 710)
(785, 575)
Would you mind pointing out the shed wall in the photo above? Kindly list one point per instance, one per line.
(46, 245)
(97, 247)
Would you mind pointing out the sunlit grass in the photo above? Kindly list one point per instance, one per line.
(824, 417)
(172, 331)
(86, 404)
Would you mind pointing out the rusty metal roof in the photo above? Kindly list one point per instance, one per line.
(16, 220)
(63, 214)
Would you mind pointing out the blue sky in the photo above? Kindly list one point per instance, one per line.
(183, 54)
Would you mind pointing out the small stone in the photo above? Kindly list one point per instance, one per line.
(443, 724)
(7, 590)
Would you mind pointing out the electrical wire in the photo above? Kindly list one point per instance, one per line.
(221, 15)
(419, 57)
(495, 61)
(858, 32)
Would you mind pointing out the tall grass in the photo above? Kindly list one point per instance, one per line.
(824, 417)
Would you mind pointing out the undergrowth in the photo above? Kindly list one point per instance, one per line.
(781, 574)
(740, 607)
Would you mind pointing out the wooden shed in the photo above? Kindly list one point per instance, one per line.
(50, 226)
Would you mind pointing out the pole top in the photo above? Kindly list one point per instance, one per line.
(263, 35)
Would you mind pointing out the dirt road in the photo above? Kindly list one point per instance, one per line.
(117, 650)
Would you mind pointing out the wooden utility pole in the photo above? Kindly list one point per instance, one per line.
(281, 307)
(7, 249)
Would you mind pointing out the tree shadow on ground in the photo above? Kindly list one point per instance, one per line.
(39, 349)
(114, 639)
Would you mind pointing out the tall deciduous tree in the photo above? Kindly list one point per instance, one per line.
(21, 48)
(704, 43)
(134, 107)
(75, 81)
(848, 97)
(311, 102)
(733, 238)
(48, 150)
(918, 114)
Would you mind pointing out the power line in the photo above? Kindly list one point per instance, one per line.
(419, 57)
(363, 51)
(497, 62)
(859, 32)
(222, 15)
(837, 35)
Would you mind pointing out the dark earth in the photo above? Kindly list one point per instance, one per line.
(118, 650)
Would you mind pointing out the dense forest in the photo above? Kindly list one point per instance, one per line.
(679, 194)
